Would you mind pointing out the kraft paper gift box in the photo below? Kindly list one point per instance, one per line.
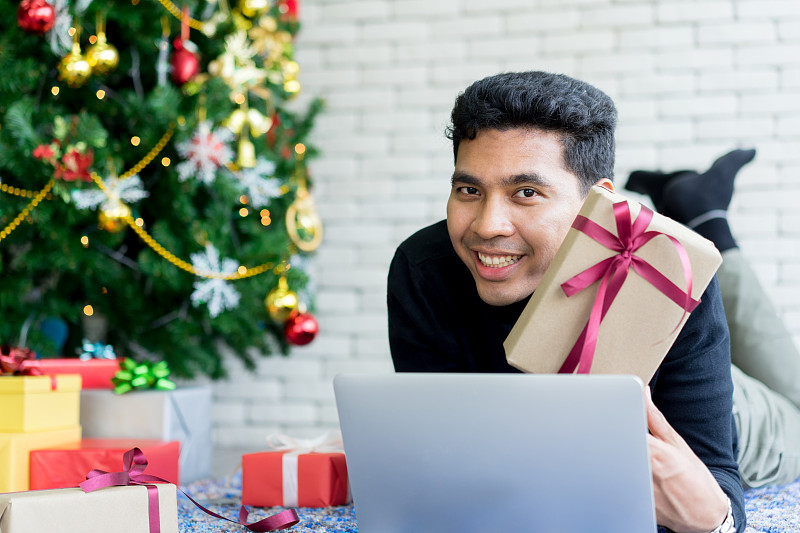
(15, 449)
(108, 510)
(284, 479)
(66, 465)
(641, 323)
(183, 414)
(95, 373)
(38, 403)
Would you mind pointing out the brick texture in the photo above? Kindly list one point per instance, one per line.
(692, 80)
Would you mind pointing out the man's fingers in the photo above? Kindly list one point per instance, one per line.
(656, 422)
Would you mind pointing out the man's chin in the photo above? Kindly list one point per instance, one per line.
(498, 296)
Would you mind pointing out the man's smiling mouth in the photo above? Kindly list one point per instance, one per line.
(497, 261)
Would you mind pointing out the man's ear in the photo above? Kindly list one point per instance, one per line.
(606, 184)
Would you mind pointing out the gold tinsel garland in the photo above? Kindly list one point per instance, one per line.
(175, 11)
(242, 272)
(28, 208)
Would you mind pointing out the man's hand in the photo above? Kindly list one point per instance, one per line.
(688, 499)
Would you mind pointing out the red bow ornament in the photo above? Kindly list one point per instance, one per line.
(18, 361)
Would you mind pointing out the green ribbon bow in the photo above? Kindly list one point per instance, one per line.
(142, 376)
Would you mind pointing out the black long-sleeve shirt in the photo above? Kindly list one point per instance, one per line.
(438, 323)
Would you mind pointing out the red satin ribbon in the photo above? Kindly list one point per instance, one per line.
(134, 462)
(612, 273)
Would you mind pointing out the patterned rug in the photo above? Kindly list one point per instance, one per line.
(771, 509)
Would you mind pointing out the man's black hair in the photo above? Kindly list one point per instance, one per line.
(583, 116)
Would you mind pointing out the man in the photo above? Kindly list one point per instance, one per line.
(528, 147)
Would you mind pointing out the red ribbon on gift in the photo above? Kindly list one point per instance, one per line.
(134, 463)
(612, 273)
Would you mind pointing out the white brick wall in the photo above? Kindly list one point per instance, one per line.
(692, 79)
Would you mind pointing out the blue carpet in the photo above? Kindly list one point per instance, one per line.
(771, 509)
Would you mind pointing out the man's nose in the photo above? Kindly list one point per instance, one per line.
(493, 219)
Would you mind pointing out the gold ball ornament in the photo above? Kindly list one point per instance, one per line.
(292, 88)
(74, 69)
(253, 8)
(112, 218)
(290, 71)
(281, 301)
(102, 57)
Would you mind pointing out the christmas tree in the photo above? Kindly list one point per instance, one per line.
(153, 180)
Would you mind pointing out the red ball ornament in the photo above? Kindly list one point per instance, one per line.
(289, 8)
(185, 61)
(301, 329)
(35, 16)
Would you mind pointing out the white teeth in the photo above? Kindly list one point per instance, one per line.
(498, 261)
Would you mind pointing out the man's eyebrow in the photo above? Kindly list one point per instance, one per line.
(517, 179)
(527, 179)
(463, 177)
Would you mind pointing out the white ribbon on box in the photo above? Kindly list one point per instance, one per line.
(330, 442)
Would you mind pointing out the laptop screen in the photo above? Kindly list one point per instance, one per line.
(496, 452)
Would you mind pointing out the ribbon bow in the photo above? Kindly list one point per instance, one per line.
(612, 273)
(330, 442)
(147, 375)
(18, 362)
(96, 350)
(134, 463)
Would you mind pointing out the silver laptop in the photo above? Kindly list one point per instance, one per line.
(482, 453)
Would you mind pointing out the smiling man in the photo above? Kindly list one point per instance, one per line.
(528, 147)
(511, 204)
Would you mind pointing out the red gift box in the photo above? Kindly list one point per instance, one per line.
(294, 480)
(95, 373)
(67, 465)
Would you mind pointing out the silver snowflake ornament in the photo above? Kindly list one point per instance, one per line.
(205, 153)
(217, 293)
(259, 188)
(118, 190)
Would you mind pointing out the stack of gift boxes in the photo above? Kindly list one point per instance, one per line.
(37, 412)
(44, 417)
(57, 427)
(41, 449)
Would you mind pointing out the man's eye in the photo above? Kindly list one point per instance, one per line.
(526, 193)
(467, 190)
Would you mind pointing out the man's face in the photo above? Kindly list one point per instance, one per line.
(511, 205)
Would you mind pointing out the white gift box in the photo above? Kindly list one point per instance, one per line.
(183, 414)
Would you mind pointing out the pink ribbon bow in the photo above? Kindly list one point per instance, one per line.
(612, 273)
(134, 463)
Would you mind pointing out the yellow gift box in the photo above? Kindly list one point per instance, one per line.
(39, 403)
(15, 451)
(117, 509)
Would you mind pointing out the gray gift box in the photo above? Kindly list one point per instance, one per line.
(183, 414)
